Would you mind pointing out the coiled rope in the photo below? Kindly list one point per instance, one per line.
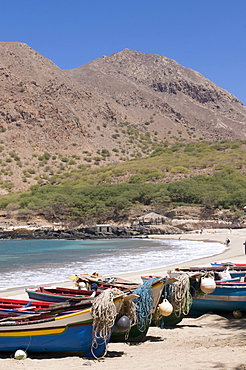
(179, 295)
(144, 304)
(103, 312)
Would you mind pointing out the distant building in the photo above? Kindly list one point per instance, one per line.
(152, 218)
(104, 228)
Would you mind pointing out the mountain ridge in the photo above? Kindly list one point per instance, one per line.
(164, 81)
(110, 110)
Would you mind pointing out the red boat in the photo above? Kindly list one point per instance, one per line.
(16, 307)
(57, 294)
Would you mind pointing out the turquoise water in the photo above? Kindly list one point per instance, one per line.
(38, 262)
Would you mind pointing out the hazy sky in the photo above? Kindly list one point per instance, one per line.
(208, 36)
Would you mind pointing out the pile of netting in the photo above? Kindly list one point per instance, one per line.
(178, 294)
(104, 314)
(144, 304)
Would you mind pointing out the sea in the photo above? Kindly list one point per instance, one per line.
(41, 262)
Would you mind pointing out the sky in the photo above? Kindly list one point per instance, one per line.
(208, 36)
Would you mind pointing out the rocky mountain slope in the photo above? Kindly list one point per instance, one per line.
(169, 96)
(112, 109)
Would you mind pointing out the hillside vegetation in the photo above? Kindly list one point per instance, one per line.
(206, 174)
(120, 107)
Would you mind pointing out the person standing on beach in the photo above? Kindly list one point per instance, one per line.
(244, 246)
(227, 242)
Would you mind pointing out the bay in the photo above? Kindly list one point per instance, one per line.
(39, 262)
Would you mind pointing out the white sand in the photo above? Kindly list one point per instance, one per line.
(208, 342)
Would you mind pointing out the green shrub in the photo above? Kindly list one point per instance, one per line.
(179, 169)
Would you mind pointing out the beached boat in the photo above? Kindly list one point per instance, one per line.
(63, 329)
(232, 264)
(16, 307)
(217, 271)
(149, 296)
(59, 294)
(103, 282)
(227, 297)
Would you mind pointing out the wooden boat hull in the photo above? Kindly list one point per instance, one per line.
(57, 295)
(223, 264)
(226, 298)
(172, 320)
(66, 334)
(136, 335)
(16, 307)
(70, 332)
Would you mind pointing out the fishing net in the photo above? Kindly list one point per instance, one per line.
(178, 294)
(103, 312)
(144, 304)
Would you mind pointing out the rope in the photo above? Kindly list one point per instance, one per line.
(129, 309)
(144, 304)
(180, 296)
(196, 287)
(103, 312)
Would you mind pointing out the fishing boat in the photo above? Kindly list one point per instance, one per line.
(103, 282)
(176, 298)
(217, 271)
(149, 296)
(59, 294)
(63, 329)
(137, 333)
(232, 264)
(227, 297)
(16, 307)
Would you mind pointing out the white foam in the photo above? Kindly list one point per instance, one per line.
(109, 261)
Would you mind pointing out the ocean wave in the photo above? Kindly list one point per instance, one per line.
(43, 262)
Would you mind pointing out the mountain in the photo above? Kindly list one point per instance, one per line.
(40, 104)
(112, 109)
(180, 99)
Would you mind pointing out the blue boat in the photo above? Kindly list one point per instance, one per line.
(59, 294)
(232, 264)
(66, 332)
(227, 297)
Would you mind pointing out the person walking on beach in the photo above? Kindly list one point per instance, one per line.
(244, 246)
(227, 242)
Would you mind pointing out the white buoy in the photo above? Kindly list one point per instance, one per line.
(165, 308)
(207, 285)
(20, 354)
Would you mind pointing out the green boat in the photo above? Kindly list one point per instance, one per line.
(150, 293)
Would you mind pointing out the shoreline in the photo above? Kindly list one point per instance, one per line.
(208, 342)
(234, 253)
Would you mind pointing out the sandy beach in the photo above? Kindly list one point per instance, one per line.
(208, 342)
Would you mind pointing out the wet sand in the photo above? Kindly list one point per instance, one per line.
(208, 342)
